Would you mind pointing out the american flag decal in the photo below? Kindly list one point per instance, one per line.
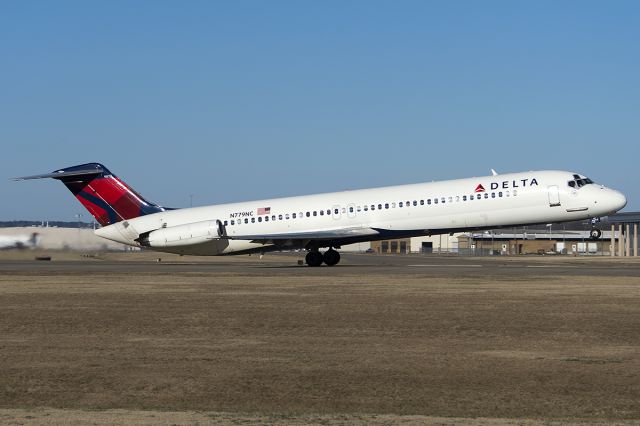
(264, 210)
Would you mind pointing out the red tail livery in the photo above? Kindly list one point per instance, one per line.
(103, 194)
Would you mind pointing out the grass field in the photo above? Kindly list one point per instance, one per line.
(408, 348)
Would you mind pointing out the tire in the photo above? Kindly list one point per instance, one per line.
(314, 258)
(595, 234)
(331, 257)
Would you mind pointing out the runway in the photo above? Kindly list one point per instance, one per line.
(375, 340)
(286, 264)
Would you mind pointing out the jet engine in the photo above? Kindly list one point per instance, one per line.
(183, 235)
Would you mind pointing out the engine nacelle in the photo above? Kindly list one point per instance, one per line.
(183, 235)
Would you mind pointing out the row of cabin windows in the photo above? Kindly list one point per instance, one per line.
(372, 207)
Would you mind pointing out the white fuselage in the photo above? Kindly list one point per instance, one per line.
(18, 241)
(405, 210)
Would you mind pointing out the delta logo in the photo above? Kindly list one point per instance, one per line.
(509, 184)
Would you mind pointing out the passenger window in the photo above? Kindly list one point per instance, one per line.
(286, 216)
(366, 208)
(386, 205)
(486, 196)
(500, 194)
(279, 217)
(293, 215)
(457, 198)
(225, 223)
(515, 192)
(301, 215)
(273, 217)
(493, 195)
(435, 201)
(321, 212)
(415, 203)
(308, 214)
(233, 222)
(379, 206)
(429, 201)
(408, 203)
(400, 204)
(393, 205)
(336, 211)
(373, 207)
(259, 218)
(451, 199)
(464, 198)
(328, 212)
(350, 209)
(358, 209)
(315, 213)
(246, 220)
(266, 218)
(443, 200)
(422, 202)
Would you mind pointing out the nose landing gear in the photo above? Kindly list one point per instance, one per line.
(595, 234)
(330, 257)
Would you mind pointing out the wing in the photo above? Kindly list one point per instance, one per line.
(304, 237)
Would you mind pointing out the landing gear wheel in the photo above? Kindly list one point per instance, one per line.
(595, 234)
(331, 257)
(314, 258)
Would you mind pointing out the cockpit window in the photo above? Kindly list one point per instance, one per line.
(579, 182)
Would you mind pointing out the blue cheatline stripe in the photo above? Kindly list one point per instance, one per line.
(113, 216)
(150, 209)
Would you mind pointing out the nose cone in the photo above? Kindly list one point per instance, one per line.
(617, 200)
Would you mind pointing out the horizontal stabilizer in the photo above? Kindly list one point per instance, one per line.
(91, 169)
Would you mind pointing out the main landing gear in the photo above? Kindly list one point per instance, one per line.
(315, 258)
(595, 234)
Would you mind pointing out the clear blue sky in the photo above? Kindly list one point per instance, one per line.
(241, 100)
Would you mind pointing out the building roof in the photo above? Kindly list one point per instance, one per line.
(626, 217)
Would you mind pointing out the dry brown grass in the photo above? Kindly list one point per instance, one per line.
(239, 349)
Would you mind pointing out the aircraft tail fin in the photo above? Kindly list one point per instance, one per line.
(34, 239)
(103, 194)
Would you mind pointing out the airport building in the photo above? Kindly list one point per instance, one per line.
(426, 245)
(57, 238)
(619, 237)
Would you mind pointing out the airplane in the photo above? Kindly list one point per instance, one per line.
(331, 220)
(18, 241)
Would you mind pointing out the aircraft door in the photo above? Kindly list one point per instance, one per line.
(554, 196)
(335, 212)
